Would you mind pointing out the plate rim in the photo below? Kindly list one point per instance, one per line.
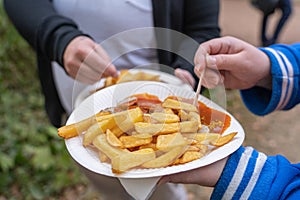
(84, 93)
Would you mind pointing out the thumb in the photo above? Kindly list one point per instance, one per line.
(209, 62)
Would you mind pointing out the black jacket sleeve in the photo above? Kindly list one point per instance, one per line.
(48, 33)
(43, 28)
(201, 22)
(198, 20)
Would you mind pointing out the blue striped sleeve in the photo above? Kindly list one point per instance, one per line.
(249, 174)
(240, 174)
(285, 93)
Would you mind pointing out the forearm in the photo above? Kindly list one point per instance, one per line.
(27, 15)
(44, 29)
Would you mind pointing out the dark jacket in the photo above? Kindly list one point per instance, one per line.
(49, 33)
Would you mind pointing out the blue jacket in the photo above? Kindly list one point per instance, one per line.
(249, 174)
(285, 61)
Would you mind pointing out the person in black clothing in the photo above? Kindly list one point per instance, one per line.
(53, 35)
(285, 6)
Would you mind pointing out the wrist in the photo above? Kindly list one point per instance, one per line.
(266, 81)
(214, 173)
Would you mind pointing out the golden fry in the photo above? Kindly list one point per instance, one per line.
(96, 129)
(117, 131)
(170, 141)
(189, 126)
(138, 76)
(101, 143)
(123, 121)
(202, 148)
(164, 117)
(165, 159)
(113, 140)
(73, 130)
(204, 138)
(168, 111)
(150, 145)
(134, 141)
(194, 116)
(156, 129)
(184, 116)
(120, 116)
(190, 156)
(224, 139)
(103, 157)
(128, 160)
(174, 104)
(110, 81)
(193, 148)
(147, 118)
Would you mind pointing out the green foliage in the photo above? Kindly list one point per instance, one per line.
(34, 163)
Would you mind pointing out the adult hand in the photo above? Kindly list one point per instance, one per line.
(86, 61)
(232, 62)
(185, 76)
(205, 176)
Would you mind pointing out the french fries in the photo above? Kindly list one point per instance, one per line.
(164, 117)
(224, 139)
(189, 156)
(165, 159)
(113, 140)
(169, 133)
(129, 160)
(130, 141)
(156, 129)
(96, 129)
(127, 76)
(178, 105)
(75, 129)
(101, 143)
(170, 141)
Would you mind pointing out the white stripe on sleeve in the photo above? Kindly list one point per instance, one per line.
(284, 80)
(291, 80)
(261, 159)
(238, 175)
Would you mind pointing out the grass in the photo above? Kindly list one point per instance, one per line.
(34, 163)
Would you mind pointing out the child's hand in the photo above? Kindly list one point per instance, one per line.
(232, 62)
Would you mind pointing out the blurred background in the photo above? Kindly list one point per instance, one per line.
(34, 163)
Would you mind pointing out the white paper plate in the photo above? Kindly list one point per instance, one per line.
(110, 96)
(164, 77)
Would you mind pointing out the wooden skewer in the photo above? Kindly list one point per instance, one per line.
(200, 83)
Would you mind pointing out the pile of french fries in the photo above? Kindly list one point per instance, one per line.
(127, 76)
(145, 132)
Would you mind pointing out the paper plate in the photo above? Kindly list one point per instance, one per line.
(164, 77)
(110, 96)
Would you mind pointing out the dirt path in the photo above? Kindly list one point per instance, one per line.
(238, 18)
(278, 133)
